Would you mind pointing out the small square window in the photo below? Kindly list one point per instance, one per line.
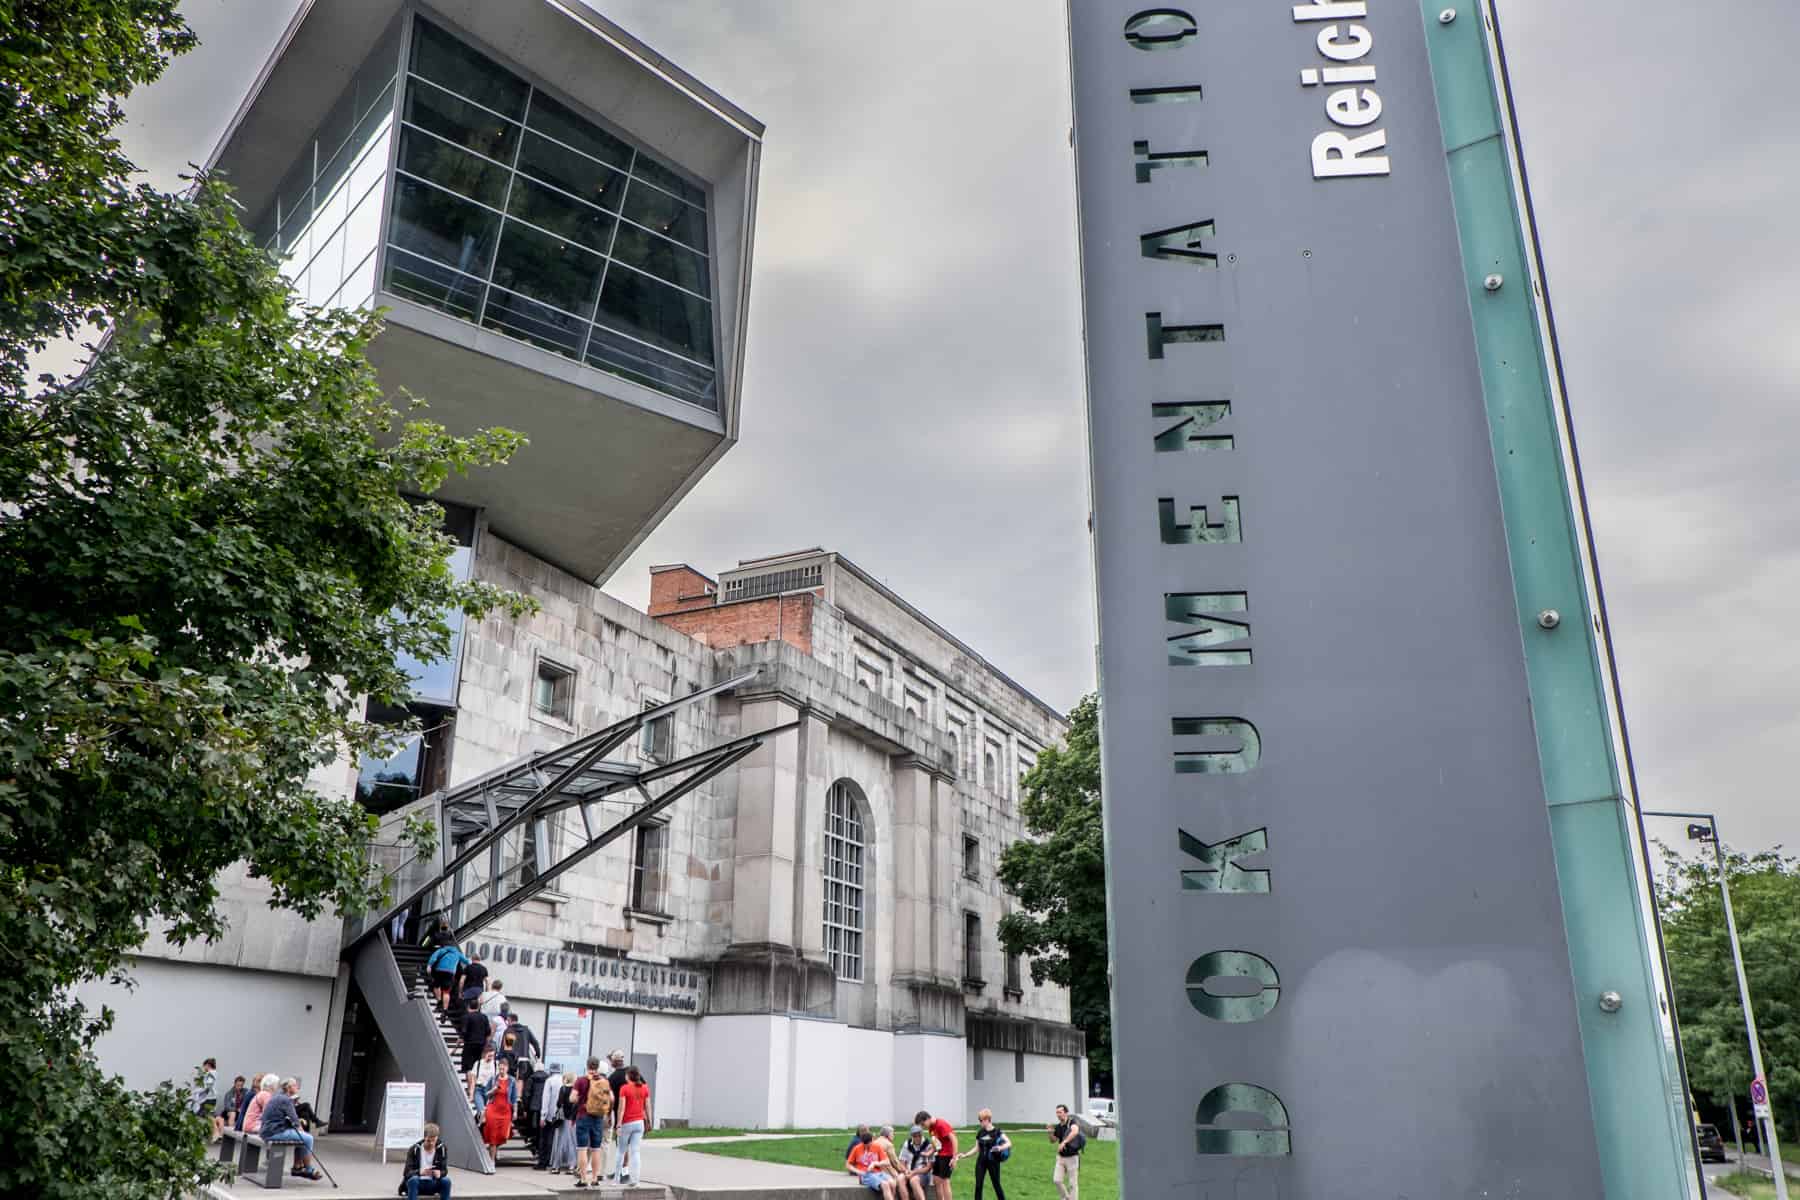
(553, 691)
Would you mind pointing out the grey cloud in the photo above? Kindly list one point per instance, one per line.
(914, 382)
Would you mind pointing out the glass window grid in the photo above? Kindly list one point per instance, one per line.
(844, 847)
(321, 238)
(638, 359)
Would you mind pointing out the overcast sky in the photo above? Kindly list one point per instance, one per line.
(913, 394)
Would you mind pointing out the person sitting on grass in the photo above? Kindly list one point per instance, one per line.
(427, 1167)
(870, 1166)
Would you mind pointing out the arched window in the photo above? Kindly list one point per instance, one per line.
(844, 847)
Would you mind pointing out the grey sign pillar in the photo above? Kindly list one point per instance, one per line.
(1339, 957)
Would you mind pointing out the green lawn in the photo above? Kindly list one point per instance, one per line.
(1747, 1186)
(1026, 1176)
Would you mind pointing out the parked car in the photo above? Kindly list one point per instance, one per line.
(1103, 1111)
(1712, 1146)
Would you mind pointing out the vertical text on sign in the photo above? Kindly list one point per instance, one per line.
(1210, 626)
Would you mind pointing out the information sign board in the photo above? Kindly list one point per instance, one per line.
(566, 1036)
(402, 1115)
(1334, 915)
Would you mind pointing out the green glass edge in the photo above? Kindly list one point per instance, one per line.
(1630, 1066)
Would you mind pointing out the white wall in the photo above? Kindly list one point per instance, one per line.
(870, 1088)
(671, 1039)
(1049, 1081)
(731, 1065)
(818, 1074)
(931, 1073)
(181, 1013)
(782, 1072)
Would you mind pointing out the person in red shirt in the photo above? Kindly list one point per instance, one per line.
(869, 1164)
(634, 1120)
(945, 1166)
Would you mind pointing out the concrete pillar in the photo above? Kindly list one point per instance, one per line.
(762, 907)
(812, 780)
(912, 858)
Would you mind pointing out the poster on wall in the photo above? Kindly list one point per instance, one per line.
(566, 1035)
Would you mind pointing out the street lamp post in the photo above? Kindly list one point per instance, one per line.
(1709, 832)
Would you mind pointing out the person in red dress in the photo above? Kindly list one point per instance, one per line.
(496, 1119)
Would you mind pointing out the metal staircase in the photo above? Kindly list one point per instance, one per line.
(504, 837)
(413, 1037)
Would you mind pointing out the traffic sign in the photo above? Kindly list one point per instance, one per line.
(1759, 1096)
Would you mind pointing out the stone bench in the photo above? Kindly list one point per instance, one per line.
(264, 1162)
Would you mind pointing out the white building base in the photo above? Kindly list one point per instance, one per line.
(778, 1072)
(182, 1013)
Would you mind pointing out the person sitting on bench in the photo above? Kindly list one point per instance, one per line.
(427, 1168)
(281, 1123)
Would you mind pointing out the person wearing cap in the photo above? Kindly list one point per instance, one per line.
(916, 1158)
(616, 1078)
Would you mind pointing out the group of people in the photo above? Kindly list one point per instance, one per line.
(572, 1120)
(927, 1160)
(582, 1117)
(272, 1110)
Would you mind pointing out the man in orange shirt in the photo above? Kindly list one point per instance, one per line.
(870, 1165)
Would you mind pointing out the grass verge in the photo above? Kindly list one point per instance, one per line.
(1026, 1176)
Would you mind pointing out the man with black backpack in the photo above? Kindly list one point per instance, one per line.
(593, 1105)
(1070, 1142)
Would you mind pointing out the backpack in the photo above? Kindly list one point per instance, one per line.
(439, 957)
(599, 1098)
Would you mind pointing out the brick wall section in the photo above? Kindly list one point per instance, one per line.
(773, 618)
(678, 588)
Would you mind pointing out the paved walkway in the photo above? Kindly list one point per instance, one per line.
(693, 1176)
(361, 1175)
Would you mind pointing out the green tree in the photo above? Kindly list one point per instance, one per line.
(205, 560)
(1059, 877)
(1765, 898)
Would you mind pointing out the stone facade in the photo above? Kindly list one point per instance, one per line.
(932, 737)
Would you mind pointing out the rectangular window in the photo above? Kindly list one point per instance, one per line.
(513, 211)
(1015, 974)
(553, 691)
(978, 1062)
(649, 868)
(844, 883)
(917, 705)
(1018, 1066)
(971, 858)
(991, 756)
(971, 948)
(656, 741)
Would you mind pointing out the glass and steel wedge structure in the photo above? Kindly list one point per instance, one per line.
(556, 219)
